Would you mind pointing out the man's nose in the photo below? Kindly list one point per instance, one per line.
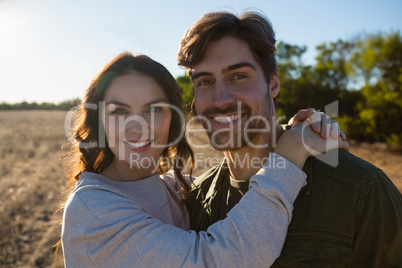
(223, 95)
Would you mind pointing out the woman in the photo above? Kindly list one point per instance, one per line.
(126, 209)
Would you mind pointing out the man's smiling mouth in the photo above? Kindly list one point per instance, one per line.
(227, 119)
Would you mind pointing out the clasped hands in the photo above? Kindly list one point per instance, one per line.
(311, 133)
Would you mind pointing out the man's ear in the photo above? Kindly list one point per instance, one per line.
(193, 112)
(274, 85)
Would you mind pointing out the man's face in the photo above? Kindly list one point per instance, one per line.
(232, 95)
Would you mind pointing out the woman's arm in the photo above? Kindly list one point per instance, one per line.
(108, 230)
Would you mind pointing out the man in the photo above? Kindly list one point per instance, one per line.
(348, 215)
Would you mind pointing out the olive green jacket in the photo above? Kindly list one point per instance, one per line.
(346, 216)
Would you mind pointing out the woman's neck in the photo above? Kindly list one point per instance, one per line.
(121, 171)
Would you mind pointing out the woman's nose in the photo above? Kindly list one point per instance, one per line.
(136, 126)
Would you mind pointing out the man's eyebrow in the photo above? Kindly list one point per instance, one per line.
(196, 75)
(240, 65)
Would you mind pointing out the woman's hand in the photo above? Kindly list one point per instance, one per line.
(301, 141)
(321, 123)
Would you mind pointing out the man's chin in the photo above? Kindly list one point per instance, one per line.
(225, 144)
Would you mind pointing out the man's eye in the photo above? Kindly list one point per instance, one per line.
(239, 76)
(204, 82)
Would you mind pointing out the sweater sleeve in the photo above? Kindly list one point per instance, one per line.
(104, 229)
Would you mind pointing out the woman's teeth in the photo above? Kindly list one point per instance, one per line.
(226, 119)
(137, 144)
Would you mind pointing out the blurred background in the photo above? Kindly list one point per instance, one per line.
(349, 51)
(343, 52)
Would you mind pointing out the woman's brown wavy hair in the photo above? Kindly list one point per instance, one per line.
(86, 128)
(86, 150)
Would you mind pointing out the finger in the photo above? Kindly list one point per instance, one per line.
(343, 136)
(325, 125)
(343, 144)
(335, 129)
(308, 112)
(300, 116)
(292, 121)
(318, 146)
(315, 119)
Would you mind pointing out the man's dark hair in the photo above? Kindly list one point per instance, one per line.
(251, 27)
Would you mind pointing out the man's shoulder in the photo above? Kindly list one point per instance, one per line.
(208, 176)
(348, 169)
(205, 186)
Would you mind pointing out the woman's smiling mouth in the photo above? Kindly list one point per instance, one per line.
(138, 145)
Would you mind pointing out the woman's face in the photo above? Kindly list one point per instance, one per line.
(136, 120)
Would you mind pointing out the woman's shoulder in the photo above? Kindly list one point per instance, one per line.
(93, 184)
(95, 194)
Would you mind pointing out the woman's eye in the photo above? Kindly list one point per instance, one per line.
(154, 109)
(119, 111)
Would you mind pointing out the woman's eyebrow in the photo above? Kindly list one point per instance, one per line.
(156, 101)
(117, 103)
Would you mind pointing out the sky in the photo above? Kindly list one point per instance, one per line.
(50, 50)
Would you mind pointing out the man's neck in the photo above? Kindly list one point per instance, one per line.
(247, 161)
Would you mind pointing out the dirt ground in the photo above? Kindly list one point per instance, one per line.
(387, 160)
(32, 186)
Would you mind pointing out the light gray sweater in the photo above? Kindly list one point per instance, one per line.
(141, 224)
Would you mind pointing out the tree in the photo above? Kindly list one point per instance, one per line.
(186, 86)
(291, 73)
(378, 62)
(301, 85)
(331, 66)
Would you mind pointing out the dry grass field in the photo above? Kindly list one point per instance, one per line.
(31, 183)
(32, 186)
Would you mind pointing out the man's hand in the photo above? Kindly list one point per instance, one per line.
(321, 123)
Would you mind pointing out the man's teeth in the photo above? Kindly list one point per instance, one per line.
(137, 144)
(227, 119)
